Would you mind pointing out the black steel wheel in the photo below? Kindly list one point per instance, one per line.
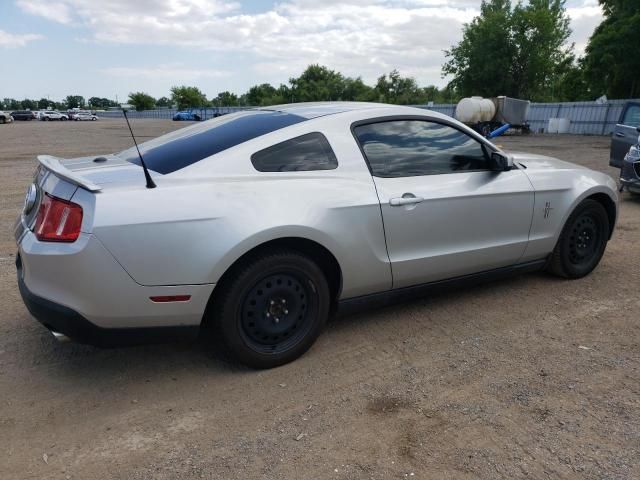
(582, 242)
(271, 308)
(278, 312)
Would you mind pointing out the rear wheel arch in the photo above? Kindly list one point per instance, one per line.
(311, 249)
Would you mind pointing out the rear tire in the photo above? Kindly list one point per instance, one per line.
(271, 308)
(582, 241)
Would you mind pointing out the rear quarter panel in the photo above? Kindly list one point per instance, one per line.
(201, 219)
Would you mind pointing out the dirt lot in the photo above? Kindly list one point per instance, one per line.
(530, 377)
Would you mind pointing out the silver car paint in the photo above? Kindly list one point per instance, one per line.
(561, 185)
(182, 236)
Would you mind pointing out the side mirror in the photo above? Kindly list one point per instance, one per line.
(500, 162)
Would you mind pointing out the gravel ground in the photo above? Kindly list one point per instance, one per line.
(531, 377)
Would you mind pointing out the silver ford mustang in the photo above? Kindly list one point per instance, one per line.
(264, 223)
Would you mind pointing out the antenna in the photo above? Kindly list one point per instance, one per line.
(147, 176)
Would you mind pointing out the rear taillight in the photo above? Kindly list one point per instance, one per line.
(58, 220)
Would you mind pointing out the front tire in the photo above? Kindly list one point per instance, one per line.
(582, 241)
(271, 308)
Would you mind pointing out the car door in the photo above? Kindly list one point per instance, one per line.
(625, 134)
(445, 213)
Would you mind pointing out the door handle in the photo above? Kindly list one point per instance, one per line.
(619, 134)
(399, 201)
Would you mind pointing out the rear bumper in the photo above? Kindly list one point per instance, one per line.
(66, 321)
(79, 290)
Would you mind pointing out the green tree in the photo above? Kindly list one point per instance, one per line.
(397, 89)
(142, 101)
(540, 31)
(516, 51)
(225, 99)
(74, 101)
(12, 104)
(481, 61)
(100, 102)
(571, 85)
(354, 89)
(188, 97)
(164, 102)
(317, 83)
(260, 95)
(43, 103)
(28, 104)
(612, 63)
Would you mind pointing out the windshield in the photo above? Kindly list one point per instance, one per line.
(187, 146)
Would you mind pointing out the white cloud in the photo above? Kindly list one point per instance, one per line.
(166, 71)
(584, 19)
(56, 11)
(357, 37)
(12, 40)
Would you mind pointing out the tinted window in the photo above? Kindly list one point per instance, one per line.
(632, 116)
(406, 148)
(304, 153)
(187, 146)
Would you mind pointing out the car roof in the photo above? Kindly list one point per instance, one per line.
(311, 110)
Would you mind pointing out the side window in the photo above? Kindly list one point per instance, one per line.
(304, 153)
(632, 116)
(407, 148)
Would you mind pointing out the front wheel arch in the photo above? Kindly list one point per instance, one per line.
(609, 206)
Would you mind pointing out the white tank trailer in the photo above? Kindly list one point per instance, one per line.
(486, 114)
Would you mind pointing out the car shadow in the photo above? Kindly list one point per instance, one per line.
(76, 363)
(508, 286)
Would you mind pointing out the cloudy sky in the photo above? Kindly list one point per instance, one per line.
(112, 47)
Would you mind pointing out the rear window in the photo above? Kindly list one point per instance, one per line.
(186, 146)
(300, 154)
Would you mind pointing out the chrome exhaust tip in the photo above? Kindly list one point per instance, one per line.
(62, 338)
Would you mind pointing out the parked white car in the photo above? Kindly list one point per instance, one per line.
(5, 117)
(53, 115)
(83, 116)
(260, 224)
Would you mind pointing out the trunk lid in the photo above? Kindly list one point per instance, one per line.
(95, 173)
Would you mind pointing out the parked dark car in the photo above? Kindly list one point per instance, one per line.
(187, 115)
(625, 134)
(630, 171)
(23, 115)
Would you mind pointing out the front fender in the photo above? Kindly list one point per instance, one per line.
(557, 194)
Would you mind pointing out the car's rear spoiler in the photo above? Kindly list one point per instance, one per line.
(53, 164)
